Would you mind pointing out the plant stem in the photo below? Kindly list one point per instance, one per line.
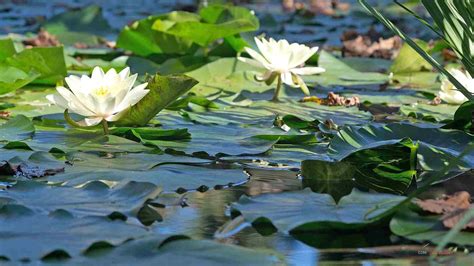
(106, 127)
(277, 90)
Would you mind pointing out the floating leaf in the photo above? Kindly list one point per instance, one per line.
(218, 21)
(181, 251)
(141, 39)
(18, 128)
(307, 211)
(435, 146)
(163, 91)
(59, 231)
(95, 198)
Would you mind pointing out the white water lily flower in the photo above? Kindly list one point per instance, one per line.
(450, 94)
(101, 97)
(283, 61)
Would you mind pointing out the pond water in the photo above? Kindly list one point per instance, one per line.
(206, 215)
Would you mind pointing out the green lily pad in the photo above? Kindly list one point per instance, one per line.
(84, 23)
(307, 211)
(141, 39)
(95, 198)
(218, 21)
(163, 91)
(153, 250)
(172, 173)
(18, 128)
(436, 147)
(59, 231)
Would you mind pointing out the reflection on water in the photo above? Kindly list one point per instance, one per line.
(207, 212)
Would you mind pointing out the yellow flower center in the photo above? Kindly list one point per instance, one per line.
(102, 91)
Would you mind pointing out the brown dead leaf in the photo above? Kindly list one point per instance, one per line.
(4, 114)
(80, 45)
(452, 207)
(460, 200)
(333, 99)
(451, 219)
(436, 101)
(370, 44)
(42, 39)
(324, 7)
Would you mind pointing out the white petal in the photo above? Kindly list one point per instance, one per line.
(116, 117)
(73, 103)
(97, 74)
(93, 121)
(256, 56)
(124, 73)
(132, 98)
(57, 100)
(264, 48)
(288, 79)
(264, 77)
(308, 70)
(250, 61)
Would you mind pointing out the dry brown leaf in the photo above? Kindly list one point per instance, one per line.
(451, 219)
(460, 200)
(436, 101)
(452, 207)
(333, 99)
(42, 39)
(4, 114)
(370, 44)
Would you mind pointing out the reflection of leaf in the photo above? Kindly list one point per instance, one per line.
(383, 169)
(163, 91)
(305, 210)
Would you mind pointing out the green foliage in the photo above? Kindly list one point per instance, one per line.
(38, 65)
(307, 211)
(408, 60)
(18, 128)
(176, 32)
(450, 15)
(79, 26)
(455, 19)
(389, 169)
(422, 228)
(163, 91)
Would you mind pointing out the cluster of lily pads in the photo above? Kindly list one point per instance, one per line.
(203, 110)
